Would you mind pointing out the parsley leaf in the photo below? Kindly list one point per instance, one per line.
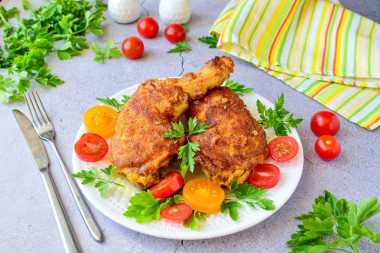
(187, 151)
(180, 46)
(211, 40)
(89, 176)
(337, 220)
(105, 53)
(114, 103)
(238, 88)
(277, 118)
(193, 221)
(247, 193)
(185, 26)
(143, 207)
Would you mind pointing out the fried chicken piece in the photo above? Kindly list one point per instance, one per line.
(138, 147)
(234, 144)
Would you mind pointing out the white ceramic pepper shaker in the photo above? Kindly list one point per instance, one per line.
(175, 11)
(124, 11)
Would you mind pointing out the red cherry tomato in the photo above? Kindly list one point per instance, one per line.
(91, 147)
(325, 123)
(283, 148)
(327, 147)
(132, 48)
(147, 27)
(169, 184)
(177, 212)
(175, 33)
(264, 176)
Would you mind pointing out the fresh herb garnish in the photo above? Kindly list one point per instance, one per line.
(29, 41)
(145, 208)
(238, 88)
(91, 175)
(105, 53)
(211, 40)
(337, 220)
(185, 26)
(180, 46)
(277, 117)
(193, 221)
(187, 151)
(248, 194)
(114, 103)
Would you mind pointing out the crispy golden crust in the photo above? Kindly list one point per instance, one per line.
(234, 144)
(138, 147)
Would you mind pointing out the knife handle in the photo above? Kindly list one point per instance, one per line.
(87, 216)
(64, 227)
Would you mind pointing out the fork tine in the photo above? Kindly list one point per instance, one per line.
(43, 108)
(38, 108)
(30, 104)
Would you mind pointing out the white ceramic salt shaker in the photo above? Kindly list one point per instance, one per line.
(175, 11)
(124, 11)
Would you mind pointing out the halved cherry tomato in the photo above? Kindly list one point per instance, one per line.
(325, 123)
(132, 48)
(283, 148)
(175, 33)
(265, 176)
(147, 27)
(177, 212)
(203, 195)
(101, 120)
(91, 147)
(327, 147)
(169, 184)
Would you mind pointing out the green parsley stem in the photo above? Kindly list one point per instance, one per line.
(4, 20)
(109, 181)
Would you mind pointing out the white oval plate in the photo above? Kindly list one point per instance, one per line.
(116, 200)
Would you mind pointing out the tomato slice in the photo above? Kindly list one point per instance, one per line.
(91, 147)
(101, 120)
(203, 195)
(169, 184)
(265, 176)
(283, 148)
(177, 212)
(327, 147)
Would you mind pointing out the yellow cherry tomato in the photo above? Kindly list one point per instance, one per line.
(101, 120)
(203, 195)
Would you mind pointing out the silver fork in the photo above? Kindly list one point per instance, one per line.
(45, 131)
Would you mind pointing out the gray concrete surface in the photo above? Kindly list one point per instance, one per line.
(26, 220)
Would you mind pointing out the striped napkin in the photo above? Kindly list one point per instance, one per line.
(317, 47)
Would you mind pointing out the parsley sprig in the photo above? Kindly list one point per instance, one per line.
(238, 88)
(187, 151)
(211, 40)
(145, 208)
(193, 221)
(339, 220)
(105, 53)
(27, 42)
(277, 118)
(89, 176)
(185, 27)
(247, 193)
(114, 103)
(180, 46)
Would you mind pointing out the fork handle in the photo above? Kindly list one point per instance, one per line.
(64, 227)
(87, 216)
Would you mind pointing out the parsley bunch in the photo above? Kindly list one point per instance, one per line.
(114, 103)
(187, 151)
(211, 40)
(277, 117)
(238, 88)
(339, 220)
(247, 193)
(28, 41)
(105, 53)
(91, 175)
(180, 46)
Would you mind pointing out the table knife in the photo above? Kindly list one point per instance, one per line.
(42, 160)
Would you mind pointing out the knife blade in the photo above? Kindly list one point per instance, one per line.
(42, 160)
(34, 142)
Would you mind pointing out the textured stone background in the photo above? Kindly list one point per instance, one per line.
(26, 220)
